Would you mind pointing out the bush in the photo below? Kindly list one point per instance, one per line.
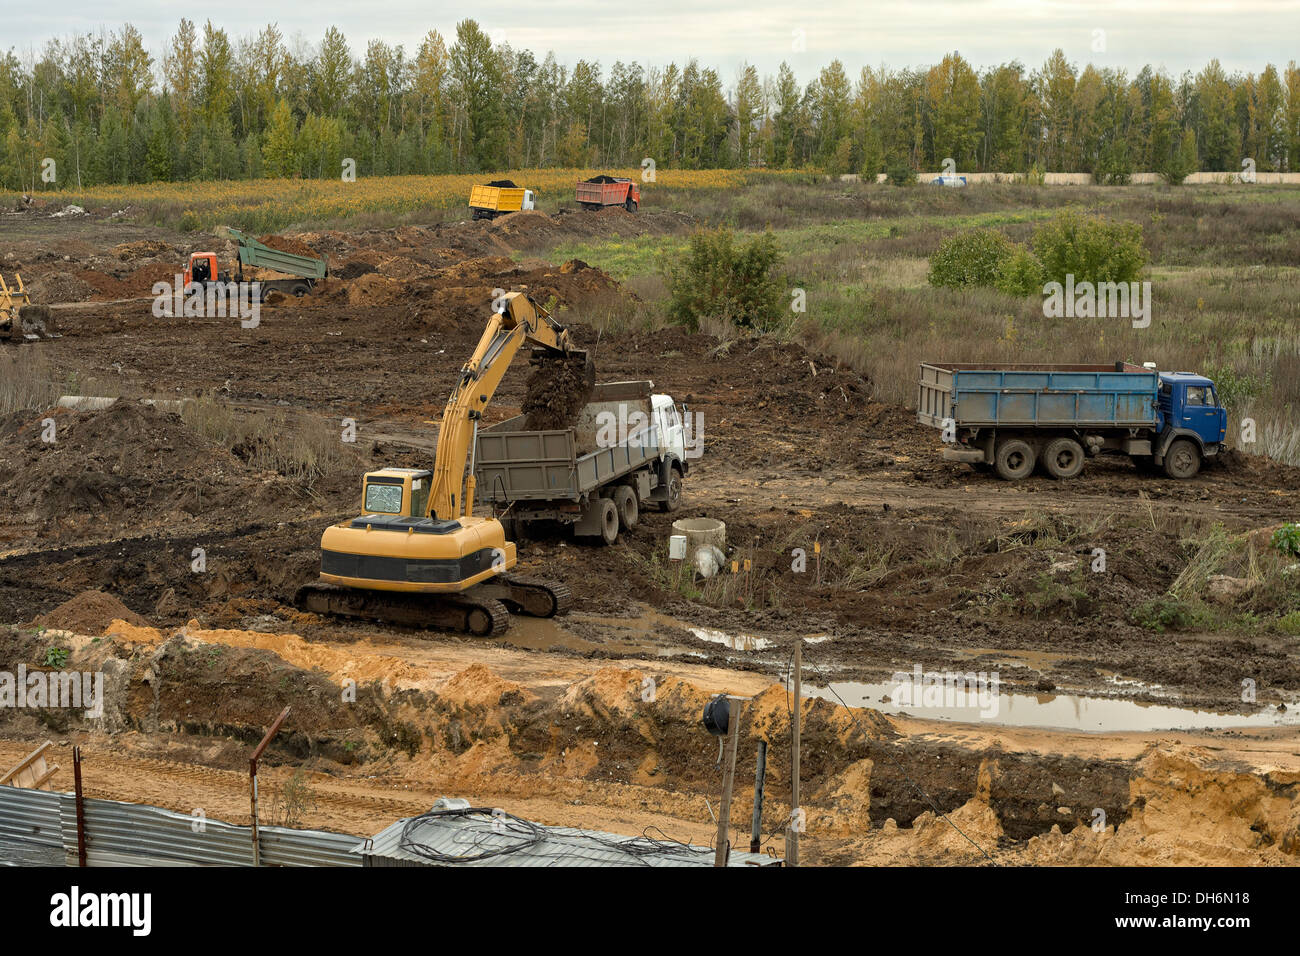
(1090, 248)
(738, 282)
(1286, 539)
(970, 258)
(1182, 163)
(1020, 274)
(1114, 167)
(900, 174)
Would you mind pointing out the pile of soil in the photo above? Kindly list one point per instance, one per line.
(144, 249)
(89, 613)
(558, 388)
(290, 244)
(55, 287)
(123, 465)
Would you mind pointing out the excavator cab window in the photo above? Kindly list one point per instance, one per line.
(419, 496)
(383, 499)
(201, 271)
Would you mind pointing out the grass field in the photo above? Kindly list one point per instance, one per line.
(269, 204)
(1224, 268)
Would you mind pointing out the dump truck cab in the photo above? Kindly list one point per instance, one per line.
(201, 268)
(1190, 406)
(396, 491)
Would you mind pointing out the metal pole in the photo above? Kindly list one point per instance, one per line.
(756, 823)
(252, 779)
(723, 849)
(81, 806)
(792, 838)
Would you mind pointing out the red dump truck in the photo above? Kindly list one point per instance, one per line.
(601, 191)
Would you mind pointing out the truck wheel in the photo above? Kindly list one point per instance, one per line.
(674, 500)
(1015, 459)
(300, 290)
(629, 512)
(1063, 458)
(1182, 459)
(608, 520)
(630, 205)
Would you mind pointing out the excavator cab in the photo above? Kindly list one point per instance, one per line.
(396, 491)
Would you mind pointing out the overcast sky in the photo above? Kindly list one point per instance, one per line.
(1244, 35)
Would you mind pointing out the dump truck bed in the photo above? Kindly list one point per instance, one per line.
(497, 198)
(603, 194)
(513, 464)
(1118, 395)
(255, 253)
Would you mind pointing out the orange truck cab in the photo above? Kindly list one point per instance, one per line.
(201, 268)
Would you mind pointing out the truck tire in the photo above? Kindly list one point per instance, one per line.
(629, 511)
(1063, 458)
(608, 520)
(300, 290)
(630, 205)
(1182, 459)
(1014, 459)
(674, 499)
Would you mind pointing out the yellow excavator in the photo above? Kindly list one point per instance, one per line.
(417, 555)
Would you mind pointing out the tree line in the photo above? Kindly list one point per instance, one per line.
(218, 108)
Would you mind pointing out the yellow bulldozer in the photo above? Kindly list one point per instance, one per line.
(417, 555)
(20, 321)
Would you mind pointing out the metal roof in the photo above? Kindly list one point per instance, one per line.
(38, 826)
(482, 837)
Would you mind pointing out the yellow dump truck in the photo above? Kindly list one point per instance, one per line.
(498, 198)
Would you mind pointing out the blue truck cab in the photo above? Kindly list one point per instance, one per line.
(1188, 402)
(1014, 418)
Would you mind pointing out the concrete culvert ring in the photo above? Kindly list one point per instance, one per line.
(629, 511)
(1015, 459)
(700, 532)
(1063, 458)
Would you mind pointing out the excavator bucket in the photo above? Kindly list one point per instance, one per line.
(559, 386)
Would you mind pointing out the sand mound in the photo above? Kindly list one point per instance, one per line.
(476, 686)
(90, 612)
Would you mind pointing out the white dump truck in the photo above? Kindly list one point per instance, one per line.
(627, 447)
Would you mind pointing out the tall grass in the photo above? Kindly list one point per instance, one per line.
(300, 447)
(26, 380)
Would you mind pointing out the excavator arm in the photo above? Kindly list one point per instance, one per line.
(520, 320)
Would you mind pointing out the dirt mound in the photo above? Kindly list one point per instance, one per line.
(290, 244)
(557, 389)
(355, 268)
(144, 249)
(55, 287)
(127, 465)
(90, 612)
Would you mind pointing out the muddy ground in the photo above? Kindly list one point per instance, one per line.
(920, 563)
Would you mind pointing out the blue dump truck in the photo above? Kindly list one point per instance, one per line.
(1011, 418)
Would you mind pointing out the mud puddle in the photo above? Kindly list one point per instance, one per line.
(1046, 711)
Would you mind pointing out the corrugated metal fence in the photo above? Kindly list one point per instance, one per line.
(40, 828)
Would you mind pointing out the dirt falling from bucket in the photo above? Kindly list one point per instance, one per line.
(557, 389)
